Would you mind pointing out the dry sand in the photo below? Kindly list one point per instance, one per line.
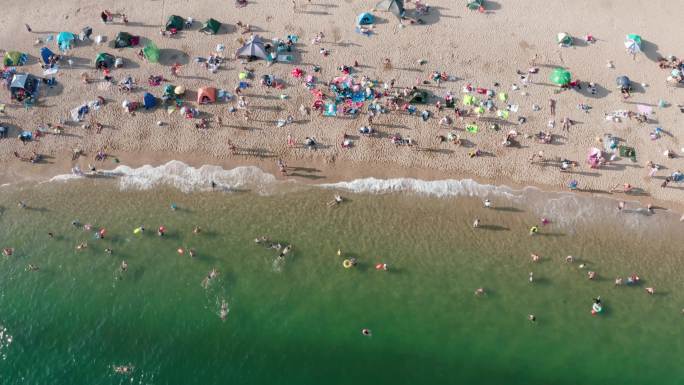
(475, 48)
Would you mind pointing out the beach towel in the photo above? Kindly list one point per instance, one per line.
(472, 128)
(468, 100)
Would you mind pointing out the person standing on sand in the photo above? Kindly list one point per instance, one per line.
(552, 107)
(476, 223)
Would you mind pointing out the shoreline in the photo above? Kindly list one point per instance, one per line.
(302, 171)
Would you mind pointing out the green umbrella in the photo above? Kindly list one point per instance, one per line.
(560, 76)
(151, 52)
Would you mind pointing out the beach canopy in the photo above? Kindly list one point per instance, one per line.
(151, 52)
(125, 39)
(560, 76)
(104, 60)
(211, 27)
(254, 48)
(65, 40)
(419, 96)
(149, 101)
(365, 19)
(26, 82)
(14, 58)
(174, 22)
(633, 43)
(45, 54)
(394, 6)
(623, 82)
(564, 39)
(206, 95)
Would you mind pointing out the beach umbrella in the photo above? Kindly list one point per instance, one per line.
(394, 6)
(180, 90)
(64, 40)
(623, 81)
(560, 76)
(151, 52)
(254, 48)
(633, 43)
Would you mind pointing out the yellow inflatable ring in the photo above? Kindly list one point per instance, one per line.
(347, 263)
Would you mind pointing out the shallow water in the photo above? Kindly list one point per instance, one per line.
(300, 322)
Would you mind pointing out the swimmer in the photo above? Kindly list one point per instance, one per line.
(545, 221)
(591, 275)
(82, 245)
(75, 223)
(366, 332)
(276, 246)
(285, 251)
(224, 310)
(174, 207)
(476, 223)
(382, 266)
(650, 290)
(87, 227)
(124, 369)
(32, 267)
(618, 281)
(108, 251)
(569, 259)
(531, 277)
(7, 251)
(196, 230)
(124, 266)
(192, 253)
(621, 205)
(487, 203)
(480, 291)
(582, 265)
(211, 275)
(534, 230)
(261, 240)
(531, 317)
(51, 235)
(535, 257)
(161, 231)
(21, 205)
(336, 201)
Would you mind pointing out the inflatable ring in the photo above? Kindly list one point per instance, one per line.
(596, 308)
(347, 263)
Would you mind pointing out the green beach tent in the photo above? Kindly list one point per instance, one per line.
(419, 96)
(475, 5)
(211, 27)
(564, 40)
(14, 58)
(560, 76)
(104, 60)
(151, 52)
(125, 39)
(174, 22)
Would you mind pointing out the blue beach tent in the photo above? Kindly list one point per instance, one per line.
(365, 19)
(149, 101)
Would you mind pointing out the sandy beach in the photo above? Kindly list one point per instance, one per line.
(477, 48)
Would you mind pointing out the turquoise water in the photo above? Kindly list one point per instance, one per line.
(300, 322)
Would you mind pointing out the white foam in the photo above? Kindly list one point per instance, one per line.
(187, 178)
(64, 178)
(437, 188)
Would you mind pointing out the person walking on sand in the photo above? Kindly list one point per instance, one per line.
(28, 28)
(552, 107)
(476, 223)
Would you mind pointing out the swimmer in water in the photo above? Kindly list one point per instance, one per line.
(487, 203)
(161, 231)
(261, 240)
(192, 253)
(7, 251)
(108, 251)
(618, 281)
(569, 259)
(650, 290)
(336, 201)
(224, 310)
(531, 317)
(123, 369)
(535, 257)
(196, 230)
(32, 267)
(21, 205)
(124, 266)
(366, 332)
(480, 291)
(591, 275)
(81, 246)
(75, 223)
(212, 274)
(51, 235)
(621, 205)
(531, 277)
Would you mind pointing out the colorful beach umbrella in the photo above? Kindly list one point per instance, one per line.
(633, 43)
(560, 76)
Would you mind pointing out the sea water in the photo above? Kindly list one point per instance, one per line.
(298, 320)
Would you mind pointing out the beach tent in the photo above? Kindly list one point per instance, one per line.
(151, 52)
(206, 95)
(104, 60)
(65, 40)
(14, 58)
(149, 101)
(623, 82)
(211, 27)
(365, 19)
(125, 39)
(560, 76)
(24, 82)
(45, 54)
(475, 5)
(419, 96)
(254, 48)
(394, 6)
(633, 43)
(174, 22)
(564, 40)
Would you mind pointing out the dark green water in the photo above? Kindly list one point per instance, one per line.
(300, 322)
